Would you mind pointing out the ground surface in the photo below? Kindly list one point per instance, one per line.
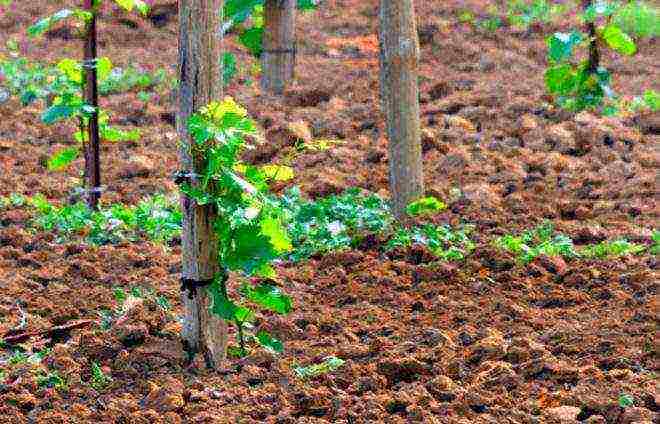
(483, 341)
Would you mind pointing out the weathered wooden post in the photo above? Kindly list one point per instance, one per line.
(200, 83)
(279, 52)
(399, 57)
(91, 95)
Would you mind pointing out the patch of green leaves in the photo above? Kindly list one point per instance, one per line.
(425, 206)
(45, 24)
(543, 240)
(157, 217)
(540, 241)
(332, 223)
(62, 158)
(129, 5)
(523, 13)
(52, 380)
(609, 249)
(641, 19)
(626, 400)
(443, 241)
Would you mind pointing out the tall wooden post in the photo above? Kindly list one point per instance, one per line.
(279, 54)
(92, 150)
(200, 83)
(399, 57)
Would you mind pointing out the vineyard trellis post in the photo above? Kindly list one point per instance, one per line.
(200, 83)
(399, 90)
(279, 51)
(91, 95)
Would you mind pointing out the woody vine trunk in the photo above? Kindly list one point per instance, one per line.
(279, 54)
(399, 58)
(199, 75)
(91, 147)
(594, 53)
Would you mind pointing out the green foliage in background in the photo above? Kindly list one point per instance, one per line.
(576, 84)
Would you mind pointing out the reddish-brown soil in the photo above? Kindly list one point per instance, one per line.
(483, 341)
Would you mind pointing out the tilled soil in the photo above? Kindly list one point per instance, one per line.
(486, 340)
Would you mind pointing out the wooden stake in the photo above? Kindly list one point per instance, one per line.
(200, 83)
(279, 54)
(399, 58)
(92, 149)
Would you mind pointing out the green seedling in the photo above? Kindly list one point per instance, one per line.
(52, 380)
(250, 225)
(99, 381)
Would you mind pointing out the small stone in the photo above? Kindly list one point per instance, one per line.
(562, 414)
(460, 123)
(165, 398)
(638, 415)
(300, 130)
(491, 348)
(138, 166)
(402, 369)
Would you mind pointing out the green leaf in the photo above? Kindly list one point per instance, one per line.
(561, 45)
(425, 206)
(619, 40)
(103, 68)
(560, 79)
(626, 400)
(307, 4)
(278, 172)
(599, 8)
(62, 158)
(46, 24)
(229, 68)
(72, 69)
(269, 342)
(329, 364)
(225, 308)
(652, 100)
(109, 133)
(252, 39)
(58, 112)
(269, 297)
(128, 5)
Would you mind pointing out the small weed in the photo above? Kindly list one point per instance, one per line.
(332, 223)
(51, 380)
(17, 358)
(99, 380)
(626, 400)
(329, 364)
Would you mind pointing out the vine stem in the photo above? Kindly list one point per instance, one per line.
(594, 51)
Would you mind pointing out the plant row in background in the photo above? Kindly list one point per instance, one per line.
(315, 227)
(608, 24)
